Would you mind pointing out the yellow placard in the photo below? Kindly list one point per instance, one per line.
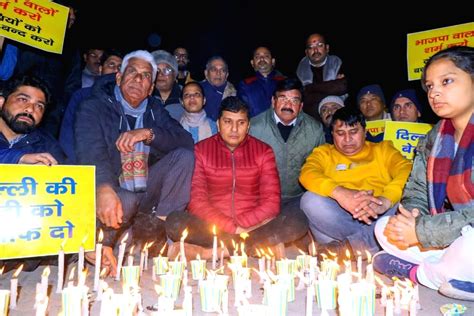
(375, 127)
(44, 208)
(38, 23)
(422, 45)
(405, 135)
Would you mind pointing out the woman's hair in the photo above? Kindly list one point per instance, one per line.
(461, 56)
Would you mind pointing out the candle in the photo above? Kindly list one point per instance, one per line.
(41, 301)
(359, 265)
(214, 248)
(389, 307)
(44, 281)
(181, 245)
(313, 249)
(396, 294)
(120, 256)
(70, 278)
(272, 256)
(98, 259)
(236, 248)
(222, 254)
(142, 258)
(130, 256)
(102, 285)
(309, 300)
(188, 301)
(80, 262)
(148, 245)
(59, 286)
(14, 287)
(82, 278)
(413, 307)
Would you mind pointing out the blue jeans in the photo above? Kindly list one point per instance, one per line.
(328, 221)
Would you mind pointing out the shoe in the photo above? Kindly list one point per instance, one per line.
(460, 290)
(392, 266)
(335, 249)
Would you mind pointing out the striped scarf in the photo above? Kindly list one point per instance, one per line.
(451, 177)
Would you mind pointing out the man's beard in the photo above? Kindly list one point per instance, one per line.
(19, 127)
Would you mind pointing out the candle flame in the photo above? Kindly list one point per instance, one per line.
(348, 254)
(358, 253)
(198, 257)
(63, 244)
(242, 248)
(1, 270)
(148, 245)
(131, 250)
(124, 239)
(214, 230)
(270, 252)
(332, 254)
(17, 272)
(262, 251)
(72, 273)
(369, 256)
(313, 248)
(301, 252)
(84, 239)
(46, 272)
(244, 235)
(222, 244)
(379, 281)
(163, 249)
(101, 236)
(258, 252)
(185, 234)
(103, 272)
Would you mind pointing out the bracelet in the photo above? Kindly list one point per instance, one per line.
(150, 137)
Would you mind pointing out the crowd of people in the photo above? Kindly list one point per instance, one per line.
(283, 159)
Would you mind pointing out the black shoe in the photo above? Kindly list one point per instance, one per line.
(335, 249)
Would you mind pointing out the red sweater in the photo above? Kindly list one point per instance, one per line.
(239, 188)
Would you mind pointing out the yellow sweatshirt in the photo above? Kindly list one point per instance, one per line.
(378, 166)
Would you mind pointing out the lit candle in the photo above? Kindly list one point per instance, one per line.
(214, 248)
(44, 281)
(142, 258)
(82, 278)
(181, 245)
(396, 294)
(309, 300)
(389, 307)
(236, 248)
(70, 278)
(130, 256)
(369, 270)
(145, 264)
(120, 256)
(102, 285)
(261, 264)
(359, 265)
(416, 296)
(98, 259)
(80, 262)
(272, 256)
(188, 301)
(59, 286)
(41, 301)
(313, 249)
(413, 308)
(222, 254)
(348, 262)
(14, 287)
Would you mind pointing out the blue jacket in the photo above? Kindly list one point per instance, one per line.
(257, 91)
(35, 142)
(9, 155)
(98, 124)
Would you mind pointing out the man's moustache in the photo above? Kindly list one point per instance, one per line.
(288, 110)
(27, 115)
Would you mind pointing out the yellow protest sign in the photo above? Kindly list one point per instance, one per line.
(41, 207)
(375, 127)
(38, 23)
(405, 135)
(422, 45)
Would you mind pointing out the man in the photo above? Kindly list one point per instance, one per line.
(23, 104)
(371, 102)
(257, 91)
(236, 187)
(143, 158)
(320, 73)
(350, 184)
(182, 57)
(405, 106)
(292, 135)
(216, 87)
(22, 107)
(110, 64)
(326, 109)
(167, 90)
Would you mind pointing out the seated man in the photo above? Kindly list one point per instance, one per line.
(326, 109)
(236, 187)
(349, 185)
(405, 106)
(144, 159)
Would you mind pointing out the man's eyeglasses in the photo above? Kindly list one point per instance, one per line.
(285, 99)
(164, 71)
(316, 45)
(192, 95)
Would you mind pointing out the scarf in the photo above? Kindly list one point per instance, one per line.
(134, 173)
(197, 124)
(447, 176)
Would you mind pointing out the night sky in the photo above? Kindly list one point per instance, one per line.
(234, 28)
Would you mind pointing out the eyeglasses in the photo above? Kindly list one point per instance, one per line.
(164, 71)
(285, 99)
(316, 45)
(216, 70)
(178, 56)
(192, 95)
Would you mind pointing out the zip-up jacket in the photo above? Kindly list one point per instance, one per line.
(237, 188)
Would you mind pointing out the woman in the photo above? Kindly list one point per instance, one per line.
(430, 240)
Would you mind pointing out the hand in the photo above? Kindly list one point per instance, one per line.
(401, 228)
(108, 260)
(372, 208)
(127, 140)
(109, 207)
(38, 159)
(353, 200)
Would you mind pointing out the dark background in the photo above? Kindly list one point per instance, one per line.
(371, 43)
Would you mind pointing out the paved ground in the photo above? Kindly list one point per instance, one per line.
(429, 299)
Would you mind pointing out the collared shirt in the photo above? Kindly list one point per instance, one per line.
(277, 119)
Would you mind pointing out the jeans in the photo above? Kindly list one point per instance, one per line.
(328, 221)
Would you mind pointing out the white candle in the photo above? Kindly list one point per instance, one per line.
(359, 265)
(59, 286)
(130, 256)
(188, 301)
(98, 260)
(41, 301)
(309, 300)
(222, 254)
(44, 281)
(80, 262)
(120, 257)
(384, 296)
(214, 248)
(397, 306)
(181, 245)
(416, 296)
(389, 307)
(413, 308)
(225, 301)
(14, 287)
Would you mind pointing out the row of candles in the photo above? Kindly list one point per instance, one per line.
(311, 277)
